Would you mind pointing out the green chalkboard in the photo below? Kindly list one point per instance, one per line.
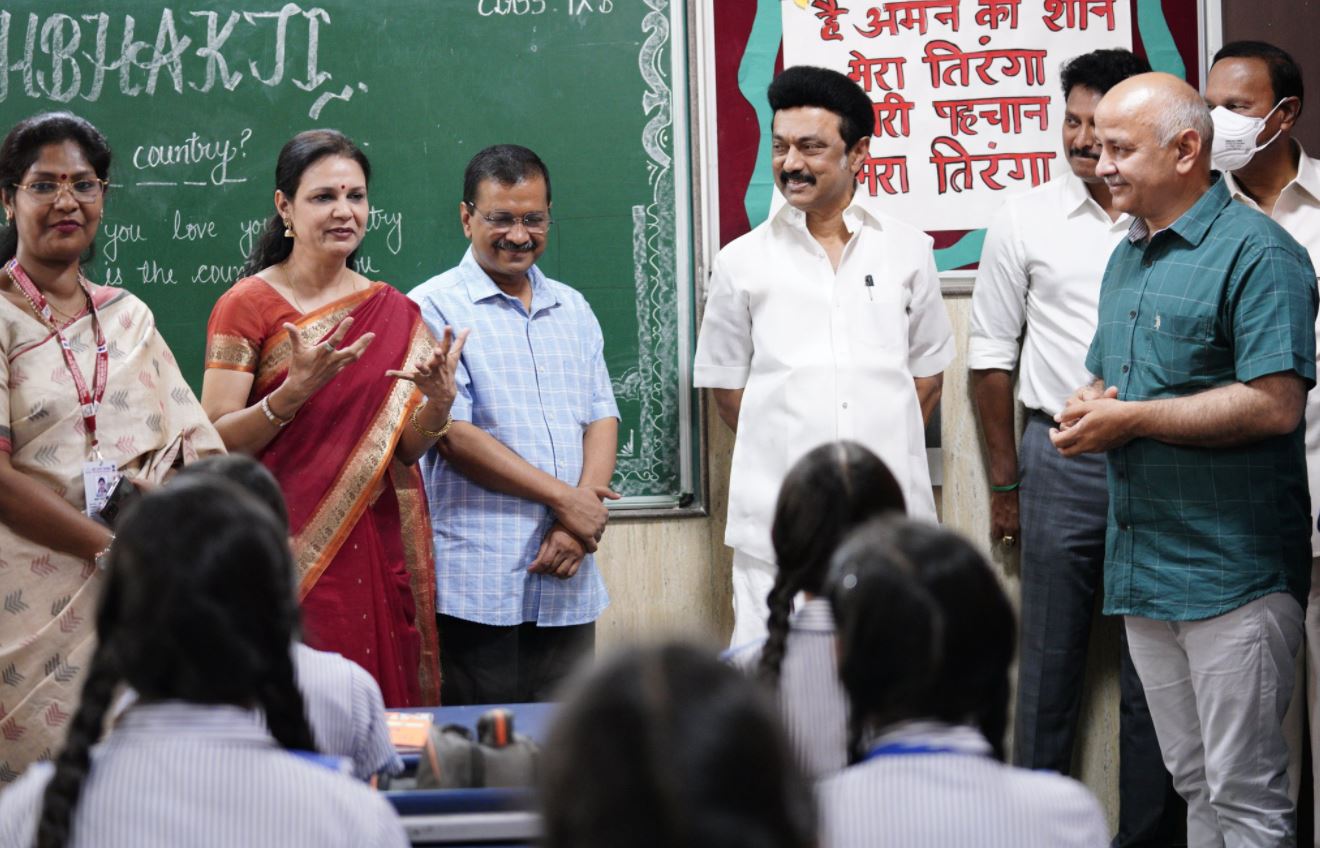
(197, 100)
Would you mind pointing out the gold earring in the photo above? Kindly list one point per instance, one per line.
(288, 230)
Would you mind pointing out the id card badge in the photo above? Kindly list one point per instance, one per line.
(99, 479)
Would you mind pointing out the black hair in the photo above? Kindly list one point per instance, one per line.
(667, 747)
(22, 146)
(196, 607)
(828, 492)
(1101, 70)
(806, 85)
(1285, 75)
(506, 164)
(252, 476)
(924, 629)
(298, 154)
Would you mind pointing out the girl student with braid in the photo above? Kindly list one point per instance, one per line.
(925, 639)
(831, 490)
(197, 615)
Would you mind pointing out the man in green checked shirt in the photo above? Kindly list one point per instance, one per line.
(1204, 352)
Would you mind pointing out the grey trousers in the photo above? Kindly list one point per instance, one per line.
(1218, 689)
(1064, 505)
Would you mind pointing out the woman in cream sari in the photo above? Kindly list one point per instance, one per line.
(88, 391)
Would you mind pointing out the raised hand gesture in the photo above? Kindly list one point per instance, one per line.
(434, 374)
(311, 366)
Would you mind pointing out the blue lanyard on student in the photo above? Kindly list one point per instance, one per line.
(896, 749)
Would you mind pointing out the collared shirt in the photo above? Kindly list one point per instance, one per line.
(822, 355)
(533, 380)
(1297, 210)
(1045, 252)
(1222, 295)
(173, 774)
(346, 711)
(953, 793)
(812, 702)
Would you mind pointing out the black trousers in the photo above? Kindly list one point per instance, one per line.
(490, 664)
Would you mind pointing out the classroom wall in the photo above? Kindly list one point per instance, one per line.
(670, 577)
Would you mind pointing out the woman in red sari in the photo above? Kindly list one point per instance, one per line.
(335, 384)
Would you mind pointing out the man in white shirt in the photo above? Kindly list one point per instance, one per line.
(1254, 91)
(1039, 281)
(823, 323)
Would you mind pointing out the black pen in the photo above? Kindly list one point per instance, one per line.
(870, 287)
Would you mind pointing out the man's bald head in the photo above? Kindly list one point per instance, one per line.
(1155, 133)
(1164, 103)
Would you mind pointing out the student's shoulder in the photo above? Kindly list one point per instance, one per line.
(20, 804)
(1051, 793)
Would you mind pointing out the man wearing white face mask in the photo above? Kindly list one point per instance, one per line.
(1255, 94)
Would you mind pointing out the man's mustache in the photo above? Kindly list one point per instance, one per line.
(505, 244)
(801, 176)
(1083, 153)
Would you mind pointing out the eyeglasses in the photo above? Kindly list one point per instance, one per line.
(502, 222)
(83, 191)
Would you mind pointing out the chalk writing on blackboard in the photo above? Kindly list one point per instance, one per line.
(62, 58)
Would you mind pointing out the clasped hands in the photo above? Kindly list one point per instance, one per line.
(1093, 421)
(580, 518)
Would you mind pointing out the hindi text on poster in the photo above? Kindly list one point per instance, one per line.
(965, 93)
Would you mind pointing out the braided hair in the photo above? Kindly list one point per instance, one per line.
(828, 492)
(925, 631)
(199, 607)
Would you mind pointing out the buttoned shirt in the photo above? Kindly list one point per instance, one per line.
(1297, 210)
(946, 790)
(1044, 254)
(822, 354)
(534, 379)
(812, 702)
(1222, 295)
(173, 773)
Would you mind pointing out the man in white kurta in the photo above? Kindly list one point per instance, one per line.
(823, 323)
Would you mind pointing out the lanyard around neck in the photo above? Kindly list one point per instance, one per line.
(88, 400)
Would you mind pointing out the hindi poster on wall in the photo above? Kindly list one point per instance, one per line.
(966, 93)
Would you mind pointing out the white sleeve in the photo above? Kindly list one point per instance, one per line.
(999, 297)
(931, 344)
(724, 344)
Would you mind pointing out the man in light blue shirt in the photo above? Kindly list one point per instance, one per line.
(517, 484)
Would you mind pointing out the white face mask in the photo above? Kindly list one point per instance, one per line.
(1235, 137)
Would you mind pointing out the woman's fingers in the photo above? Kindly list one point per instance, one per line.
(337, 335)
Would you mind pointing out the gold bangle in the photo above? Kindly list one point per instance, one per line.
(430, 434)
(271, 416)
